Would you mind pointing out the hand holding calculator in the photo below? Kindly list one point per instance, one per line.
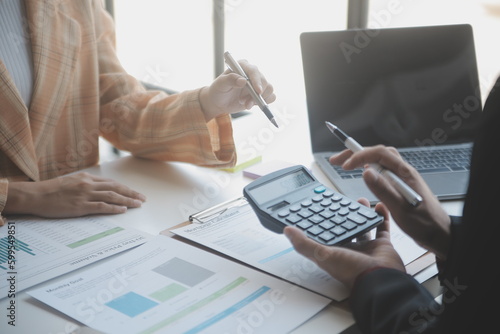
(293, 197)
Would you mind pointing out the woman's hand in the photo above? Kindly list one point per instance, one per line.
(347, 262)
(228, 94)
(73, 195)
(428, 224)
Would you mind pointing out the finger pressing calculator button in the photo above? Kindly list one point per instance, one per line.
(357, 219)
(319, 189)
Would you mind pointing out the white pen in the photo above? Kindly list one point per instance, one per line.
(236, 68)
(408, 193)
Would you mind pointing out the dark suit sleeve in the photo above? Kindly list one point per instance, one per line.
(390, 301)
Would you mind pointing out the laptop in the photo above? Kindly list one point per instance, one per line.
(415, 88)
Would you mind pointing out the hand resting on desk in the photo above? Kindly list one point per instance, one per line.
(71, 196)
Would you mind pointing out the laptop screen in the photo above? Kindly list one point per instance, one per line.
(402, 87)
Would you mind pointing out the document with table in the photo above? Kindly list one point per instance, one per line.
(34, 250)
(233, 229)
(168, 286)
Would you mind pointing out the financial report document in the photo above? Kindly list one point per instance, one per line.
(34, 250)
(237, 232)
(167, 286)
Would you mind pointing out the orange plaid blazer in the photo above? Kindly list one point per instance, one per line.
(82, 92)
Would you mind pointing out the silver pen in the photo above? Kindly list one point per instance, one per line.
(408, 193)
(236, 68)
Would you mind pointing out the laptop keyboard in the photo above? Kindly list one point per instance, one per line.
(425, 161)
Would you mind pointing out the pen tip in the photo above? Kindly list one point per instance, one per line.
(274, 122)
(330, 125)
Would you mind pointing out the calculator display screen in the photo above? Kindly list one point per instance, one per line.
(280, 186)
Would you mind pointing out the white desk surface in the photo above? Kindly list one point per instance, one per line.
(175, 190)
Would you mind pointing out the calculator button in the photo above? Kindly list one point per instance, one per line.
(304, 225)
(338, 230)
(349, 225)
(343, 212)
(283, 214)
(345, 202)
(334, 207)
(364, 211)
(336, 197)
(305, 213)
(354, 206)
(319, 189)
(326, 236)
(328, 193)
(326, 202)
(338, 220)
(315, 230)
(357, 219)
(317, 199)
(293, 219)
(316, 208)
(327, 214)
(316, 219)
(306, 203)
(327, 225)
(295, 208)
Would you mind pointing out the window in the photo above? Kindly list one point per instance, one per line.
(170, 43)
(165, 42)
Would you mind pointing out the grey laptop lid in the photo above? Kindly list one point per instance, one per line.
(403, 87)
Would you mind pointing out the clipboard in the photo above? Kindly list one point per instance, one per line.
(206, 215)
(232, 230)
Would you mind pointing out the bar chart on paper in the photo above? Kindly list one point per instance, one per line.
(18, 245)
(166, 286)
(37, 250)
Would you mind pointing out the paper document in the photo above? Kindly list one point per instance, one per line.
(236, 231)
(33, 251)
(166, 286)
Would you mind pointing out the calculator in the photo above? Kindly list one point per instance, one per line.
(293, 197)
